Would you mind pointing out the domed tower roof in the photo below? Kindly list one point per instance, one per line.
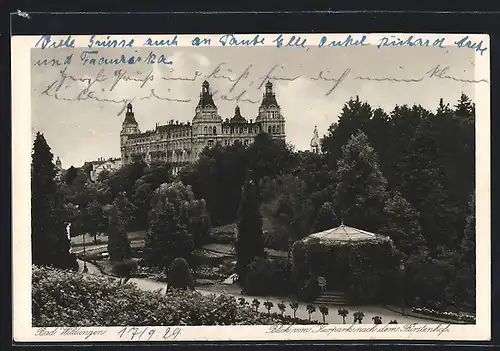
(238, 118)
(206, 99)
(129, 115)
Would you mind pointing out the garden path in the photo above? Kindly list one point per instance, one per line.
(332, 318)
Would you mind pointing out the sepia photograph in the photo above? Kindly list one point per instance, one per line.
(231, 181)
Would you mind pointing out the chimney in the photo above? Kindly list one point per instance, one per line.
(251, 121)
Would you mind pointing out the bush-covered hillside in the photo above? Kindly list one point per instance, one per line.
(61, 298)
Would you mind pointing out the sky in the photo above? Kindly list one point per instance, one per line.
(79, 107)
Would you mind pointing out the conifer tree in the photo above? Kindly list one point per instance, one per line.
(50, 244)
(250, 241)
(356, 115)
(361, 189)
(118, 243)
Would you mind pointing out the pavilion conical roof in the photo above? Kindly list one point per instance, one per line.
(345, 233)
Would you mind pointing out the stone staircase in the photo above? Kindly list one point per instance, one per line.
(331, 298)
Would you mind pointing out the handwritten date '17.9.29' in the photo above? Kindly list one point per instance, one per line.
(146, 333)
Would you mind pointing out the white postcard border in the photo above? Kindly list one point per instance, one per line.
(21, 239)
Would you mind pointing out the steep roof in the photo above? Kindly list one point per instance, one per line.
(165, 128)
(129, 116)
(238, 118)
(269, 98)
(206, 96)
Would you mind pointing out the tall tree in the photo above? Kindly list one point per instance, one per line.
(287, 204)
(118, 243)
(423, 182)
(402, 225)
(326, 218)
(468, 242)
(218, 177)
(269, 158)
(176, 222)
(250, 242)
(355, 116)
(50, 244)
(361, 190)
(167, 238)
(94, 219)
(318, 176)
(154, 175)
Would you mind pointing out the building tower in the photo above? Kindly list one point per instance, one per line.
(58, 163)
(270, 117)
(207, 124)
(315, 144)
(129, 127)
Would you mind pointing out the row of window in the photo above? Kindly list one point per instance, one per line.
(211, 143)
(145, 140)
(272, 114)
(273, 129)
(157, 147)
(162, 157)
(234, 130)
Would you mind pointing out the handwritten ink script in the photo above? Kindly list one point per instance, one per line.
(353, 328)
(125, 333)
(146, 333)
(241, 83)
(71, 332)
(278, 40)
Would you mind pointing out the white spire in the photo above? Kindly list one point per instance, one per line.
(315, 141)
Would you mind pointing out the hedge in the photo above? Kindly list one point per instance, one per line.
(62, 298)
(363, 270)
(268, 277)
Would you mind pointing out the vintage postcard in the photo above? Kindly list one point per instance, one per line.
(251, 187)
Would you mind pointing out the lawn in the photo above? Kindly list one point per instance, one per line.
(77, 241)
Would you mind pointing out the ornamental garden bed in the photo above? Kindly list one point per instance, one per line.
(460, 317)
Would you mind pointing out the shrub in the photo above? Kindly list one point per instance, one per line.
(255, 304)
(343, 312)
(267, 277)
(294, 306)
(282, 307)
(179, 275)
(61, 298)
(358, 317)
(278, 240)
(268, 305)
(323, 309)
(310, 309)
(125, 268)
(310, 290)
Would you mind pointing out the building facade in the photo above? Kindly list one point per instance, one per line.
(110, 165)
(181, 143)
